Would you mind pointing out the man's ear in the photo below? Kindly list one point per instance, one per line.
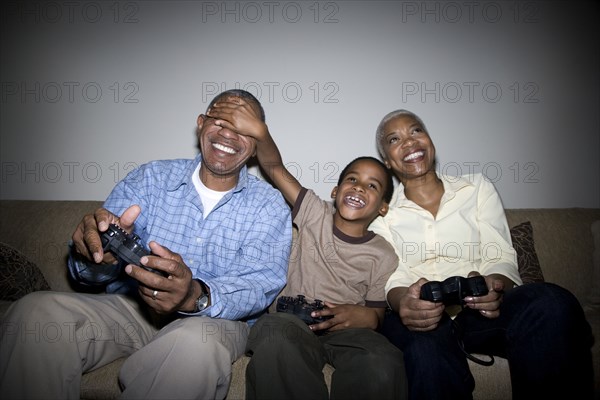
(334, 192)
(200, 121)
(383, 210)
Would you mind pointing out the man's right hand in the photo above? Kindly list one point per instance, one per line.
(86, 237)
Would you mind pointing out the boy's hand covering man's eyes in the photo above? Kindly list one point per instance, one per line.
(239, 116)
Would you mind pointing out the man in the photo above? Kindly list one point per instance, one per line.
(221, 238)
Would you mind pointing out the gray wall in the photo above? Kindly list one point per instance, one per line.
(511, 89)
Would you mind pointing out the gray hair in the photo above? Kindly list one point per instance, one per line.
(388, 117)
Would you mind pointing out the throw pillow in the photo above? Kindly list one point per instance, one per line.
(527, 259)
(18, 275)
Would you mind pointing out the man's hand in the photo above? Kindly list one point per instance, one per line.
(488, 305)
(416, 314)
(165, 294)
(238, 115)
(86, 237)
(346, 316)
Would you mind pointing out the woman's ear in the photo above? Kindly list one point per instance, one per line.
(387, 164)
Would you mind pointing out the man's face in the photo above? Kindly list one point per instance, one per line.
(224, 152)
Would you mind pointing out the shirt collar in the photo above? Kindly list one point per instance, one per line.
(452, 184)
(186, 176)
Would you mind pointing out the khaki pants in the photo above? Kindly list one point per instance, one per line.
(48, 339)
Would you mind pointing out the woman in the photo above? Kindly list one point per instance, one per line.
(443, 227)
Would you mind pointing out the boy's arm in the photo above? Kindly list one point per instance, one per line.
(271, 162)
(236, 114)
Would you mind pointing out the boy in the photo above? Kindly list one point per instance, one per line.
(336, 259)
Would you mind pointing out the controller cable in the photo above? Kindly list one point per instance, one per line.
(456, 330)
(458, 333)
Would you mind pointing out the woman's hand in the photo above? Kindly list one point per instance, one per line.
(489, 305)
(416, 314)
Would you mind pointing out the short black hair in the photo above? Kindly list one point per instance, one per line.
(389, 181)
(240, 93)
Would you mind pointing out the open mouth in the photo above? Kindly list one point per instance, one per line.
(224, 148)
(414, 156)
(354, 202)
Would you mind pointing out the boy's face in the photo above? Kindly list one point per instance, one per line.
(359, 197)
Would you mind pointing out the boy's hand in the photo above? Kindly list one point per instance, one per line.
(236, 114)
(244, 118)
(346, 316)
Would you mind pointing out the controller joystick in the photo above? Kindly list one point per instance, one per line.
(127, 247)
(301, 308)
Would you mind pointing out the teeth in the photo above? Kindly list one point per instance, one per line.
(356, 200)
(226, 149)
(414, 155)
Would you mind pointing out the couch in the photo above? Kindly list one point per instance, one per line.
(559, 245)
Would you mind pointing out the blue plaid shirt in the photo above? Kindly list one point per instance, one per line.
(240, 250)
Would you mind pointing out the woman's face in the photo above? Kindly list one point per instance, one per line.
(408, 149)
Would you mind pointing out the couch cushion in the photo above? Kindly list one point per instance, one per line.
(102, 383)
(18, 275)
(594, 295)
(563, 242)
(527, 259)
(44, 230)
(592, 304)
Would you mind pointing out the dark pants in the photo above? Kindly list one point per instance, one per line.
(287, 360)
(541, 330)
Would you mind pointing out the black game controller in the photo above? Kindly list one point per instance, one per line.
(301, 308)
(127, 247)
(454, 289)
